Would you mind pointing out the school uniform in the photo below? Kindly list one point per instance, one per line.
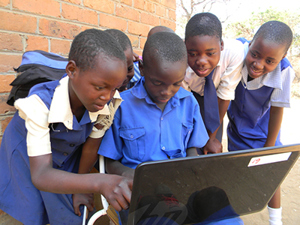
(142, 132)
(43, 124)
(226, 75)
(249, 113)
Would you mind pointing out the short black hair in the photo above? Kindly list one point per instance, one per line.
(277, 32)
(121, 38)
(164, 46)
(203, 24)
(159, 29)
(89, 44)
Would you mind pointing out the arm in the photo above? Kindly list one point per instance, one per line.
(191, 152)
(116, 167)
(213, 145)
(116, 189)
(276, 114)
(89, 157)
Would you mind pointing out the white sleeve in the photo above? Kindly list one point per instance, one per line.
(282, 97)
(35, 113)
(233, 59)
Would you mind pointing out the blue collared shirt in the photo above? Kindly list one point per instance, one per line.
(142, 132)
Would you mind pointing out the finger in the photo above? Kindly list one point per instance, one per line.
(77, 211)
(205, 152)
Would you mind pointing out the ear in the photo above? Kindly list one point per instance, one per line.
(222, 45)
(71, 69)
(141, 67)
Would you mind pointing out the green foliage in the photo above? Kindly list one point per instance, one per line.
(248, 28)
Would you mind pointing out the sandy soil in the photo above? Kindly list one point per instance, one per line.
(290, 189)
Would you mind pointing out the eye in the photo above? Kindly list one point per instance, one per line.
(269, 61)
(129, 69)
(98, 88)
(192, 54)
(211, 53)
(253, 55)
(178, 84)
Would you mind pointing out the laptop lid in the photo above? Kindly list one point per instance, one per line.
(208, 188)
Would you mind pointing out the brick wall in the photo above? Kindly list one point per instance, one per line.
(51, 25)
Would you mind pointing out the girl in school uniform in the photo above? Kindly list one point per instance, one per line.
(255, 114)
(41, 146)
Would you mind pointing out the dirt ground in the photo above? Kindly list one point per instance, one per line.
(290, 189)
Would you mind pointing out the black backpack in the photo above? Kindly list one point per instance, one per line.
(36, 67)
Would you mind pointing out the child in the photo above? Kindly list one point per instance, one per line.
(256, 113)
(89, 154)
(158, 119)
(209, 56)
(40, 149)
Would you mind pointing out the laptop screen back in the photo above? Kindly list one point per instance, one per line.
(208, 188)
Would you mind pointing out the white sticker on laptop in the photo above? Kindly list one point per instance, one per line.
(266, 159)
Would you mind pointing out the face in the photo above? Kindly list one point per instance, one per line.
(93, 88)
(163, 79)
(263, 57)
(203, 53)
(130, 69)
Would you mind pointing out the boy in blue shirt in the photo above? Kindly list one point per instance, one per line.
(213, 72)
(256, 113)
(41, 146)
(158, 119)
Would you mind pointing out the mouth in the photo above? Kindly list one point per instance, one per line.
(202, 72)
(98, 107)
(254, 72)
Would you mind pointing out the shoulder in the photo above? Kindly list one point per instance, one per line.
(44, 91)
(232, 49)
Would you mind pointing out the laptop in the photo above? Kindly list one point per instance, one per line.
(208, 188)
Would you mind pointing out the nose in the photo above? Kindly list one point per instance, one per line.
(201, 61)
(166, 91)
(258, 64)
(107, 95)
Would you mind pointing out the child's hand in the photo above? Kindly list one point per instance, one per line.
(117, 191)
(83, 199)
(212, 146)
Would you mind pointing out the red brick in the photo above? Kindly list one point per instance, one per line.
(5, 81)
(37, 43)
(83, 28)
(4, 123)
(168, 23)
(127, 2)
(128, 13)
(139, 4)
(106, 6)
(16, 22)
(58, 29)
(172, 14)
(60, 46)
(134, 41)
(160, 10)
(150, 19)
(149, 7)
(138, 28)
(4, 107)
(12, 42)
(45, 7)
(71, 12)
(169, 3)
(4, 3)
(8, 62)
(142, 42)
(113, 22)
(138, 51)
(77, 2)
